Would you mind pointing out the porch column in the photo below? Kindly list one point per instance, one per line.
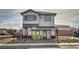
(25, 32)
(29, 33)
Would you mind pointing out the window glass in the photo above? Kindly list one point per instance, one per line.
(30, 18)
(47, 18)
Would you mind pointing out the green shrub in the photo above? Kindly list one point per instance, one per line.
(36, 36)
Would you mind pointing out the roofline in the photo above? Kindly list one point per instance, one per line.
(37, 12)
(27, 11)
(37, 25)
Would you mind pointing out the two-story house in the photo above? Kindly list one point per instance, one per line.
(38, 22)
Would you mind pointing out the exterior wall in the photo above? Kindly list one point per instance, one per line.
(46, 23)
(33, 32)
(53, 32)
(40, 20)
(30, 22)
(29, 32)
(65, 32)
(41, 33)
(25, 31)
(48, 35)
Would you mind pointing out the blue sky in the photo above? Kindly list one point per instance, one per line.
(11, 18)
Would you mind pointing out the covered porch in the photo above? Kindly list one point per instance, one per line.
(44, 32)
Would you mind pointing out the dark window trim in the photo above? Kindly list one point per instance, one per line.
(35, 17)
(46, 19)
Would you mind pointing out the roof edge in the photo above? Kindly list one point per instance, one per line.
(49, 13)
(27, 11)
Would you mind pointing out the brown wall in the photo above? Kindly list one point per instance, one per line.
(64, 32)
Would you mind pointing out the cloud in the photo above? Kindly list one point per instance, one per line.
(12, 17)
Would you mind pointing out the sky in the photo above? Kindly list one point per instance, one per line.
(11, 18)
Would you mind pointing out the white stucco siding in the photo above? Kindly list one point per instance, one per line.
(33, 33)
(25, 32)
(53, 31)
(48, 34)
(46, 23)
(30, 22)
(40, 19)
(29, 32)
(41, 33)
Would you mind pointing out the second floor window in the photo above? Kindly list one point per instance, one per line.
(30, 18)
(47, 18)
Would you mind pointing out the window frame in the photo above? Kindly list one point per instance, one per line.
(46, 18)
(29, 17)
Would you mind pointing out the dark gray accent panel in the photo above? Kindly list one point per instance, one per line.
(30, 25)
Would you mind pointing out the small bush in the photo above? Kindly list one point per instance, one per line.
(36, 37)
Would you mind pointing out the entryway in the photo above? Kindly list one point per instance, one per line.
(46, 34)
(42, 34)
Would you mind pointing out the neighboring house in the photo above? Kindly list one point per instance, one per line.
(64, 30)
(76, 32)
(38, 22)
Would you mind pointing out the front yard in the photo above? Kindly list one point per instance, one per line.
(68, 42)
(63, 41)
(6, 39)
(68, 39)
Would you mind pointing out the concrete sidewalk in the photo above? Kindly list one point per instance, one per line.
(28, 45)
(62, 44)
(39, 45)
(69, 45)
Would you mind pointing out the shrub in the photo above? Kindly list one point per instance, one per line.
(36, 36)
